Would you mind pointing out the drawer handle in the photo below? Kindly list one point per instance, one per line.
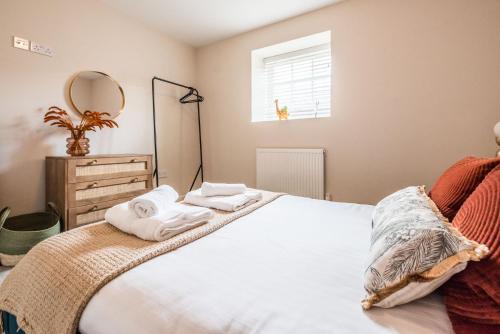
(94, 208)
(92, 185)
(93, 162)
(135, 179)
(133, 160)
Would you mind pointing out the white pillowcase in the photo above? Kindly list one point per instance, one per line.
(416, 290)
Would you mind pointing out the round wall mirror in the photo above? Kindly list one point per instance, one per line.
(96, 91)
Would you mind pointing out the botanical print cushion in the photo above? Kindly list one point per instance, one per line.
(413, 249)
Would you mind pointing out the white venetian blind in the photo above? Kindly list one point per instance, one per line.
(299, 80)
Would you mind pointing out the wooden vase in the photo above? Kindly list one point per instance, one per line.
(77, 145)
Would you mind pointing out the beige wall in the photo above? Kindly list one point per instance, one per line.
(415, 86)
(86, 35)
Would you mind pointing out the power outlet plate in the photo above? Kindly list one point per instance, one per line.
(41, 49)
(21, 43)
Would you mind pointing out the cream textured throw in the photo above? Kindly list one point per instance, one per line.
(49, 289)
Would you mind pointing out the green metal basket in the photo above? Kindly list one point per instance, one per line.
(20, 233)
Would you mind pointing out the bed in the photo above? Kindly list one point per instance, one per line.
(293, 266)
(285, 264)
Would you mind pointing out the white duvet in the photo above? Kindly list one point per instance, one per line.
(293, 266)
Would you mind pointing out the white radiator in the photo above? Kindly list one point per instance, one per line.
(291, 170)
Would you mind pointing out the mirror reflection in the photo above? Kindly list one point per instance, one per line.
(96, 91)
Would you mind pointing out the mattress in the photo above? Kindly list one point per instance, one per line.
(292, 266)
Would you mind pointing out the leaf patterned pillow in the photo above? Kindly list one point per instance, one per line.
(414, 249)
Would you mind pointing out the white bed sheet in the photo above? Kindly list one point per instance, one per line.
(293, 266)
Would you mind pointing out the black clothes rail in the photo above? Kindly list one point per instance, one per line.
(191, 97)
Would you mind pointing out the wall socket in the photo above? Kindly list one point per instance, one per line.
(41, 49)
(162, 173)
(21, 43)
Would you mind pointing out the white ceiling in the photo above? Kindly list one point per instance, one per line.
(201, 22)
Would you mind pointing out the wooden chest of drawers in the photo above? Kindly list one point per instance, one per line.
(84, 187)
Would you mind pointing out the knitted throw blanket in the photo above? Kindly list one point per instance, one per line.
(49, 289)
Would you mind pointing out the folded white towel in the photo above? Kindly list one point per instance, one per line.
(176, 219)
(222, 189)
(224, 203)
(154, 202)
(120, 216)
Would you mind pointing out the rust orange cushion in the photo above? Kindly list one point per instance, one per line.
(456, 184)
(472, 297)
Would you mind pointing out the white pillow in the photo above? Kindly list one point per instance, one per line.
(414, 249)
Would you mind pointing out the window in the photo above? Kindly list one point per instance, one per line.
(297, 74)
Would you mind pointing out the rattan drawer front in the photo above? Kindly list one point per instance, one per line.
(92, 192)
(91, 217)
(110, 169)
(109, 190)
(82, 170)
(107, 182)
(125, 191)
(91, 213)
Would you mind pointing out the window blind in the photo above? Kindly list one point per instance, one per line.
(299, 80)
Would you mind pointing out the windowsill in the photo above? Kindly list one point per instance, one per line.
(288, 120)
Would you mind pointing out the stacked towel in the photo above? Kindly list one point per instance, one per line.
(175, 219)
(224, 203)
(222, 189)
(154, 202)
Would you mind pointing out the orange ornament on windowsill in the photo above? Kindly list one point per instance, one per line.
(78, 144)
(281, 113)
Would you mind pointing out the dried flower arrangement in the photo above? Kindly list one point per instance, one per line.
(78, 144)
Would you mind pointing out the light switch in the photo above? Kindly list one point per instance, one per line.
(21, 43)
